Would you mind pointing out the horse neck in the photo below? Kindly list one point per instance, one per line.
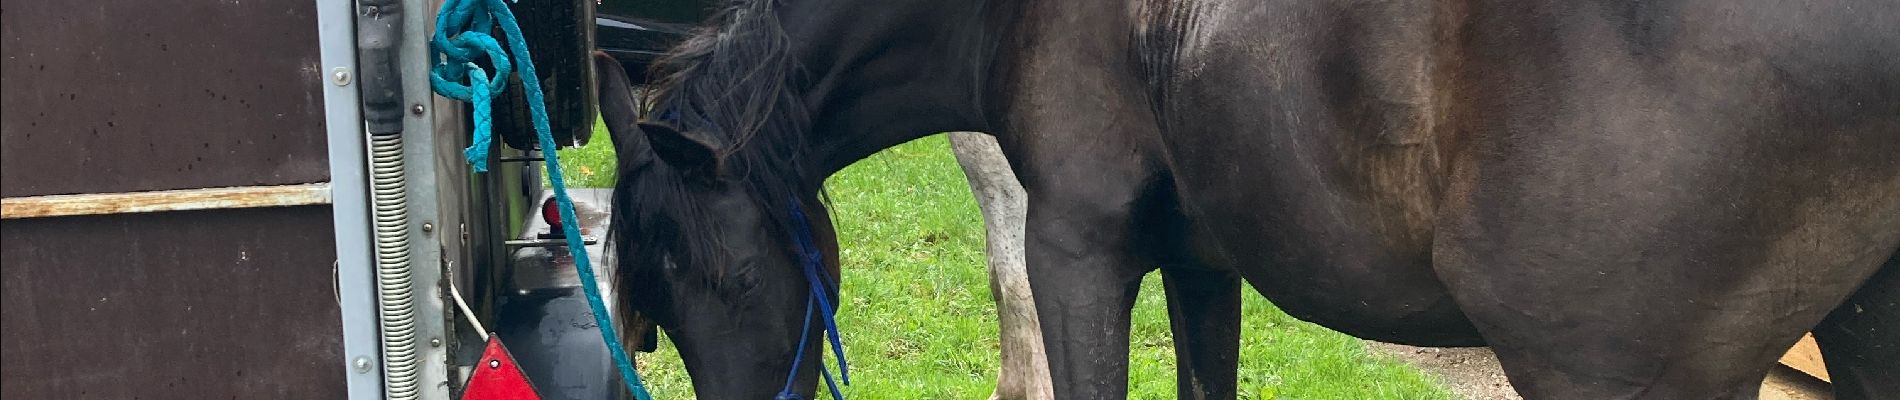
(897, 71)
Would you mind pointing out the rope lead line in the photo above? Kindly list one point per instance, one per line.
(814, 264)
(454, 59)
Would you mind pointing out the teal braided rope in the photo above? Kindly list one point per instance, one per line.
(454, 61)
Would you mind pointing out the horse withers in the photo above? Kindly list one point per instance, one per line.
(1622, 199)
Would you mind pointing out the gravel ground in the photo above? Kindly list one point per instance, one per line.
(1473, 373)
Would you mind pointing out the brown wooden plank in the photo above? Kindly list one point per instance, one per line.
(1805, 356)
(178, 305)
(111, 96)
(164, 200)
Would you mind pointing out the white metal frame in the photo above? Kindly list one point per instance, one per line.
(343, 121)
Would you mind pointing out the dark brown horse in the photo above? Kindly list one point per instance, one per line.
(1624, 199)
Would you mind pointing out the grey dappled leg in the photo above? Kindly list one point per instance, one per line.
(1204, 312)
(1025, 367)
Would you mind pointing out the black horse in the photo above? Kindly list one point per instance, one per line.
(1624, 199)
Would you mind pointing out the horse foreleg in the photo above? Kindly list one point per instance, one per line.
(1204, 311)
(1085, 275)
(1025, 367)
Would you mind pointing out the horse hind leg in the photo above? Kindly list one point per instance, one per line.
(1860, 339)
(1204, 311)
(1025, 368)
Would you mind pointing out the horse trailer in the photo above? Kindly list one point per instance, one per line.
(266, 199)
(203, 199)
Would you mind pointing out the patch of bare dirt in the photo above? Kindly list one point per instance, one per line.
(1473, 373)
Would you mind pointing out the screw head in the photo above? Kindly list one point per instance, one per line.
(416, 109)
(428, 227)
(494, 363)
(435, 342)
(340, 76)
(362, 364)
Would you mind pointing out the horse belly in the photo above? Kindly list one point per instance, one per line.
(1350, 283)
(1331, 221)
(1338, 258)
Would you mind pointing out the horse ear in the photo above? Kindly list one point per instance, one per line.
(685, 151)
(618, 109)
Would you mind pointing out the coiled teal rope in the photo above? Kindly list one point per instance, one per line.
(454, 58)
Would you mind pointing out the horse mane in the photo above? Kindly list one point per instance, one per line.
(737, 76)
(735, 83)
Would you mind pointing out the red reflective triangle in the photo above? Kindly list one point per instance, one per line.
(497, 377)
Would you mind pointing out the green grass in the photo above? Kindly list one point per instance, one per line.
(918, 322)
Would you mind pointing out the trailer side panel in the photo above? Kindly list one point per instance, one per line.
(130, 95)
(180, 305)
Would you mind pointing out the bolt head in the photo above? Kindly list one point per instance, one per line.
(340, 76)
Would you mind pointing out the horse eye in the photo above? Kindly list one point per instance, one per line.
(747, 283)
